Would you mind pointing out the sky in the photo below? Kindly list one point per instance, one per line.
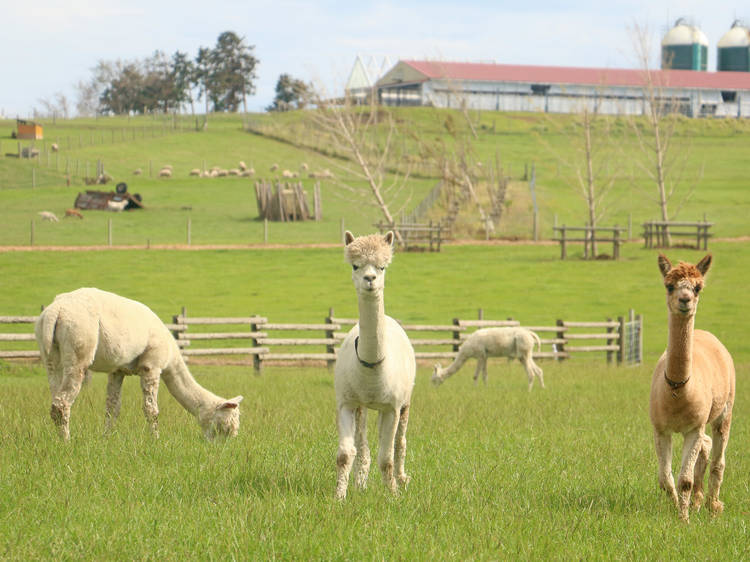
(48, 45)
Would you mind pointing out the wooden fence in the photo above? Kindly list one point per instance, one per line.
(417, 235)
(254, 339)
(589, 234)
(659, 234)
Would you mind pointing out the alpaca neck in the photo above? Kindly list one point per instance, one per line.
(186, 390)
(680, 347)
(371, 346)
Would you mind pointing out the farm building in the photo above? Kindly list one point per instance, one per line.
(552, 89)
(29, 130)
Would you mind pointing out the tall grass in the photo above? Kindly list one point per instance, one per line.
(497, 472)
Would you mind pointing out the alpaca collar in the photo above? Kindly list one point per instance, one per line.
(362, 361)
(674, 385)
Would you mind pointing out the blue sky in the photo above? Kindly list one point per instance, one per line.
(49, 45)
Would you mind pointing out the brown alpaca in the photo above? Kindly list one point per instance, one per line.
(692, 386)
(73, 213)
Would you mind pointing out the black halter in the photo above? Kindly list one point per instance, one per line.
(363, 362)
(674, 385)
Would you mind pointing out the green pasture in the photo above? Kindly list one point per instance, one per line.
(223, 210)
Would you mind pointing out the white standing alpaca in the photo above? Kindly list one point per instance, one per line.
(692, 386)
(93, 329)
(510, 342)
(375, 368)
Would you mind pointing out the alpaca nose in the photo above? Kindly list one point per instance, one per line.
(684, 300)
(369, 278)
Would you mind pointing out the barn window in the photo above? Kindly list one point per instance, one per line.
(728, 96)
(539, 89)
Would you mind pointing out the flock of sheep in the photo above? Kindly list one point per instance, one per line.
(693, 384)
(242, 170)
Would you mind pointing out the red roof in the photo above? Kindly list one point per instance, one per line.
(486, 72)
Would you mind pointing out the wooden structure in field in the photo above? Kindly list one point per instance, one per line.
(29, 130)
(286, 202)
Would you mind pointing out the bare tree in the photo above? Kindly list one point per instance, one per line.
(362, 146)
(593, 167)
(664, 161)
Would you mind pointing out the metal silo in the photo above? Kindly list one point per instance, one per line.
(684, 47)
(733, 50)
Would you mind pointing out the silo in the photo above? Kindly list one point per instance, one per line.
(733, 49)
(684, 47)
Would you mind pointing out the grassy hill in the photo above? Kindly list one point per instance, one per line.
(223, 210)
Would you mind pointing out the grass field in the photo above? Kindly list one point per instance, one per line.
(497, 472)
(565, 473)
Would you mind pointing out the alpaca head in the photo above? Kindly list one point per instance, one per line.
(369, 256)
(684, 283)
(436, 372)
(224, 421)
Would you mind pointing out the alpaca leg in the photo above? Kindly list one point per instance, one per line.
(529, 368)
(539, 373)
(64, 396)
(362, 458)
(700, 472)
(663, 443)
(484, 371)
(114, 393)
(691, 447)
(481, 365)
(399, 452)
(346, 452)
(718, 462)
(387, 424)
(150, 389)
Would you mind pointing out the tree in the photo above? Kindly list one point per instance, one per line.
(291, 93)
(232, 72)
(183, 73)
(362, 139)
(664, 161)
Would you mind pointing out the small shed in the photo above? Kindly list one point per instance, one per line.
(29, 130)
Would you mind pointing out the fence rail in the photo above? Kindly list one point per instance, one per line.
(416, 235)
(589, 236)
(658, 234)
(319, 342)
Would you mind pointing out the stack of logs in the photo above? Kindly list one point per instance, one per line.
(286, 201)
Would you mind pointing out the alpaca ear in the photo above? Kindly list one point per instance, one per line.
(704, 265)
(230, 404)
(664, 265)
(388, 238)
(348, 238)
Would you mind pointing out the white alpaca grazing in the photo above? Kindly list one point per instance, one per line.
(375, 368)
(495, 342)
(93, 329)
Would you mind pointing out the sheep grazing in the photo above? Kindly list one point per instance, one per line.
(511, 342)
(233, 172)
(304, 167)
(693, 385)
(242, 166)
(247, 173)
(117, 206)
(274, 167)
(48, 216)
(165, 173)
(73, 213)
(55, 147)
(375, 368)
(195, 172)
(93, 329)
(137, 172)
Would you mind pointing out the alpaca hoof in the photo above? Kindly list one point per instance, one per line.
(697, 500)
(716, 506)
(404, 480)
(361, 482)
(340, 494)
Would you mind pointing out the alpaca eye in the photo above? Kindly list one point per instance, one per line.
(382, 268)
(670, 288)
(697, 289)
(355, 267)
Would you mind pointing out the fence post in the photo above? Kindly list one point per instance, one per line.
(621, 340)
(456, 336)
(109, 232)
(639, 322)
(189, 225)
(563, 249)
(560, 336)
(330, 348)
(31, 240)
(257, 361)
(609, 351)
(616, 242)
